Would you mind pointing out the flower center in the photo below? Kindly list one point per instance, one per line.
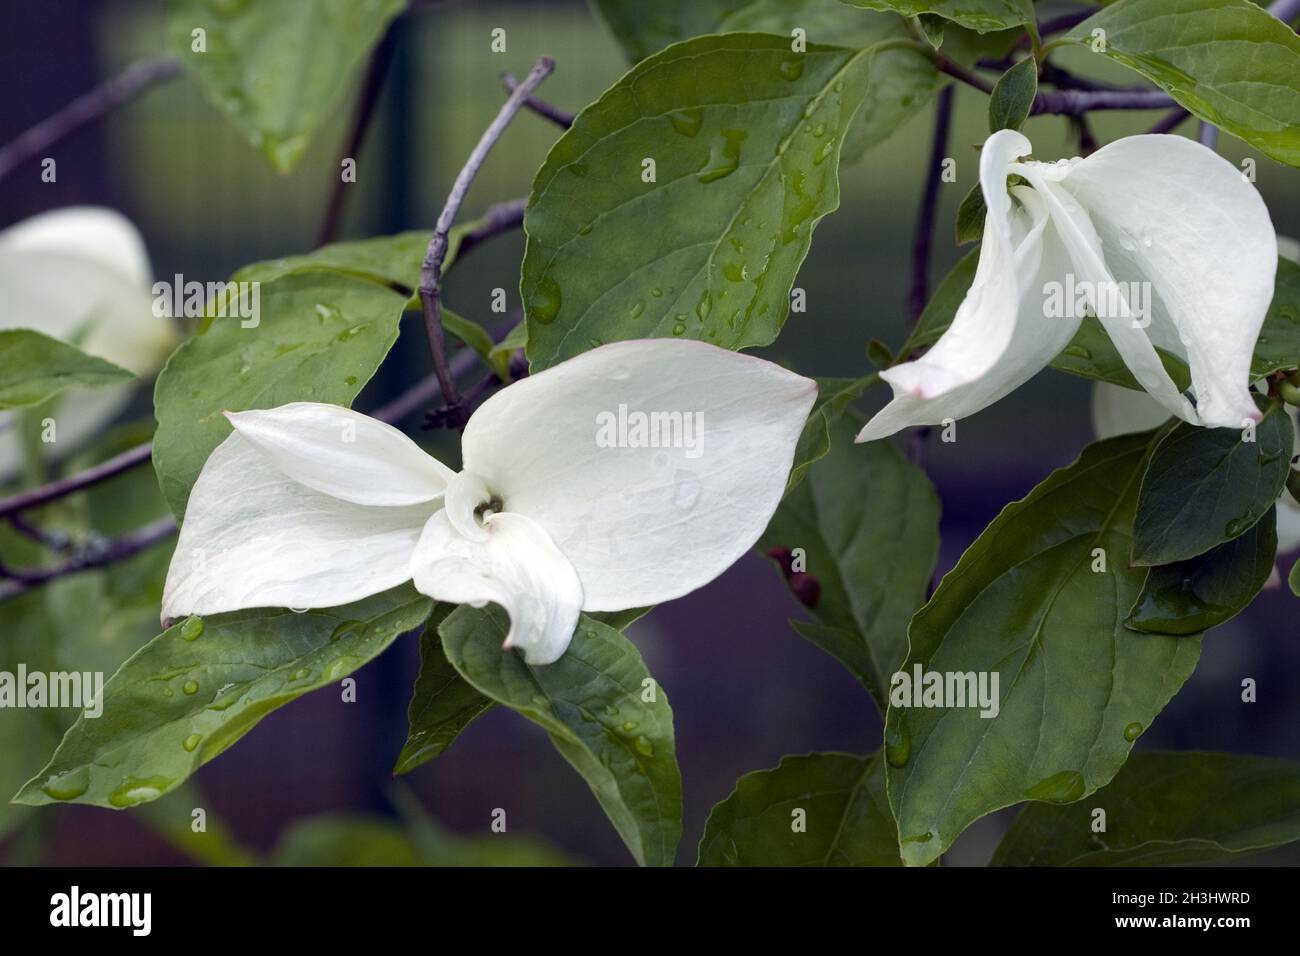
(488, 508)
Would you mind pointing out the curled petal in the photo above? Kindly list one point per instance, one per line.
(255, 537)
(1174, 213)
(343, 453)
(89, 233)
(652, 464)
(516, 566)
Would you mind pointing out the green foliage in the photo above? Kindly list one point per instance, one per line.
(1165, 808)
(868, 522)
(833, 396)
(205, 682)
(821, 809)
(981, 15)
(1206, 486)
(1040, 599)
(745, 137)
(1012, 96)
(1228, 62)
(276, 68)
(602, 711)
(35, 368)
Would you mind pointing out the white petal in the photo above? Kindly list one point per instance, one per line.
(1179, 216)
(644, 524)
(254, 537)
(1090, 271)
(343, 453)
(516, 566)
(1000, 336)
(90, 233)
(1121, 411)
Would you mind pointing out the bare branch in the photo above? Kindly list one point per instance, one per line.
(559, 117)
(929, 205)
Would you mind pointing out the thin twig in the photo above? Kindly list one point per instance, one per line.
(89, 106)
(423, 393)
(924, 231)
(1075, 102)
(944, 65)
(1170, 121)
(500, 217)
(1208, 135)
(54, 540)
(66, 486)
(373, 85)
(559, 117)
(431, 273)
(93, 556)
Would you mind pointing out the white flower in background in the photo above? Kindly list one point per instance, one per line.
(81, 274)
(1160, 211)
(312, 505)
(1120, 411)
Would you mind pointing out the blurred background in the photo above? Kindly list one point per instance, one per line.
(313, 781)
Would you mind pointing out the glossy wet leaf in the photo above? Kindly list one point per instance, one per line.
(867, 520)
(393, 260)
(35, 367)
(1191, 596)
(745, 138)
(276, 68)
(901, 84)
(834, 395)
(202, 684)
(1012, 96)
(1032, 601)
(1228, 62)
(320, 338)
(442, 704)
(981, 15)
(1166, 808)
(820, 809)
(1206, 486)
(593, 704)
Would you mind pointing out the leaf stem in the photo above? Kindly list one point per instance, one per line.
(113, 92)
(431, 273)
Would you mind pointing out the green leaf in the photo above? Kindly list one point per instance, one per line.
(1013, 95)
(970, 221)
(470, 333)
(1293, 579)
(276, 68)
(35, 367)
(838, 798)
(1228, 62)
(202, 684)
(320, 338)
(1278, 345)
(745, 136)
(442, 704)
(1202, 592)
(642, 30)
(387, 260)
(592, 703)
(1032, 601)
(834, 395)
(1166, 808)
(931, 28)
(1206, 486)
(503, 351)
(982, 16)
(868, 522)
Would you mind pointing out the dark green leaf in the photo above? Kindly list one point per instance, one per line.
(981, 15)
(745, 136)
(1013, 95)
(1229, 62)
(442, 704)
(1032, 602)
(1202, 592)
(320, 337)
(1166, 808)
(867, 520)
(1293, 579)
(603, 712)
(276, 68)
(35, 367)
(202, 684)
(1278, 345)
(388, 260)
(834, 395)
(837, 799)
(932, 28)
(1206, 486)
(970, 221)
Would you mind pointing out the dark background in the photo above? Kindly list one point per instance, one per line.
(745, 688)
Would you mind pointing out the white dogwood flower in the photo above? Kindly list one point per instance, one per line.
(627, 476)
(1164, 241)
(82, 275)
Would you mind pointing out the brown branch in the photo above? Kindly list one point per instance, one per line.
(96, 554)
(66, 486)
(84, 109)
(561, 118)
(431, 272)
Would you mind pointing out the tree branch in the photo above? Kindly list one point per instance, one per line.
(924, 230)
(500, 217)
(559, 117)
(431, 273)
(74, 483)
(373, 85)
(93, 555)
(89, 106)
